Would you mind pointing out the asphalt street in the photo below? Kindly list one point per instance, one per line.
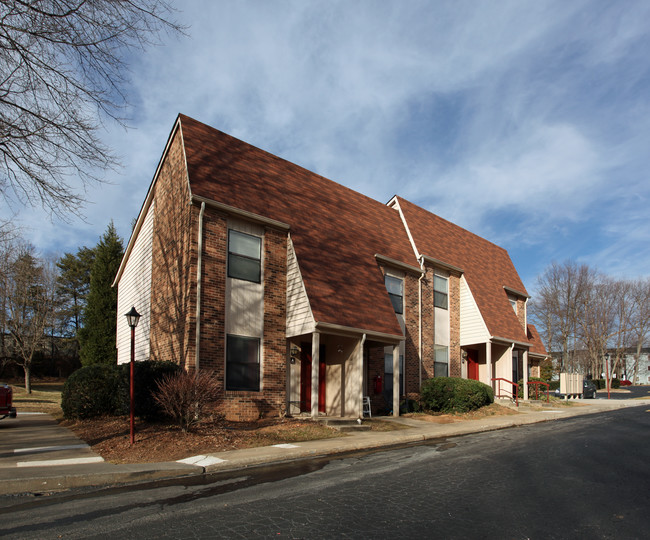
(582, 477)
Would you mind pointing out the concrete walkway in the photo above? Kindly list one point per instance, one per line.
(64, 461)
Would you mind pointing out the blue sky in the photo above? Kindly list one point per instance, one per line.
(526, 122)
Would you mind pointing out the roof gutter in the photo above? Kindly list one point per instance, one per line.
(515, 292)
(398, 264)
(510, 342)
(332, 328)
(421, 259)
(441, 264)
(237, 212)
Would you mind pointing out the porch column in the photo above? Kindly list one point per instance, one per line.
(488, 363)
(315, 360)
(525, 368)
(396, 388)
(358, 387)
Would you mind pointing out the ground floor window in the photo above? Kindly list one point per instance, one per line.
(441, 362)
(242, 363)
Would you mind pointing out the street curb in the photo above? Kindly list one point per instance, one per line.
(107, 474)
(76, 479)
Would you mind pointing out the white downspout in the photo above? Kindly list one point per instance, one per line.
(199, 264)
(421, 259)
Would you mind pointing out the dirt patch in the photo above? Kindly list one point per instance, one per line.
(109, 437)
(493, 409)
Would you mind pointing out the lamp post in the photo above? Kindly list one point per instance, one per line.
(607, 373)
(133, 317)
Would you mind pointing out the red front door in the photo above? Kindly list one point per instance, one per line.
(472, 364)
(305, 378)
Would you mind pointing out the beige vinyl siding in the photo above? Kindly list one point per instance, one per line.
(134, 289)
(472, 326)
(300, 319)
(245, 299)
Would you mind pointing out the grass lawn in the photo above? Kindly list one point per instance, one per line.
(45, 397)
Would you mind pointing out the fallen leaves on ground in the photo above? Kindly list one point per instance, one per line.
(158, 441)
(493, 409)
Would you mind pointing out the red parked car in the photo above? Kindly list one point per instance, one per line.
(6, 395)
(625, 382)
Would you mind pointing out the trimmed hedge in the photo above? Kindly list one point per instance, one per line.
(91, 391)
(450, 394)
(104, 390)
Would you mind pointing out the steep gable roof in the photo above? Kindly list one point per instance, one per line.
(486, 266)
(336, 231)
(537, 345)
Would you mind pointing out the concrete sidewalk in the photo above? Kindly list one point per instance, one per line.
(36, 479)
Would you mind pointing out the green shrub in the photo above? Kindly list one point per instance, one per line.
(91, 391)
(409, 406)
(616, 383)
(104, 389)
(553, 386)
(146, 375)
(449, 394)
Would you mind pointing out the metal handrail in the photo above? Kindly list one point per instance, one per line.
(537, 383)
(513, 395)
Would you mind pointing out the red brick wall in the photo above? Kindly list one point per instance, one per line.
(173, 309)
(213, 292)
(454, 326)
(172, 299)
(521, 312)
(411, 334)
(271, 398)
(428, 326)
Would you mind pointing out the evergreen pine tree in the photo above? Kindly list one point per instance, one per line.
(97, 337)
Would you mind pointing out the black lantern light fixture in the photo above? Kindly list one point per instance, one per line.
(133, 317)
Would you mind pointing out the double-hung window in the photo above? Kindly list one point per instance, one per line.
(242, 363)
(244, 256)
(441, 365)
(395, 288)
(441, 292)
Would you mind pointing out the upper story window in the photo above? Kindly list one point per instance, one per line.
(513, 303)
(441, 292)
(244, 256)
(395, 288)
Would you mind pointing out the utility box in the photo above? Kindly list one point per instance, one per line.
(571, 385)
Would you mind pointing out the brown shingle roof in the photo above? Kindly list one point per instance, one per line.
(487, 267)
(537, 345)
(336, 231)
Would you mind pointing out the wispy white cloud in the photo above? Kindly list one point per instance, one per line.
(525, 122)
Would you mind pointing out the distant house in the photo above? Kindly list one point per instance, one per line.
(302, 295)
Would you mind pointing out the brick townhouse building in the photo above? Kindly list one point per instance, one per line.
(304, 296)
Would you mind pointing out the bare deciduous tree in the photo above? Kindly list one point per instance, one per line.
(561, 292)
(63, 68)
(640, 330)
(29, 297)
